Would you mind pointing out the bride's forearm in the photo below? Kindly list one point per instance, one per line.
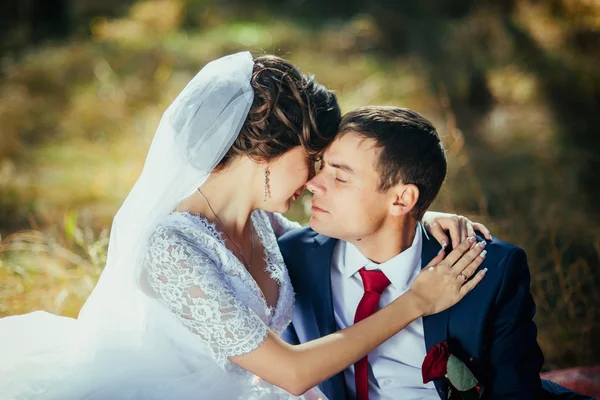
(299, 368)
(322, 358)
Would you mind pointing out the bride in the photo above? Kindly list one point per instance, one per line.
(195, 292)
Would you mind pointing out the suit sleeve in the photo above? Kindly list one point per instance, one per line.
(516, 358)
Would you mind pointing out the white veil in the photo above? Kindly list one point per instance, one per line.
(107, 353)
(194, 134)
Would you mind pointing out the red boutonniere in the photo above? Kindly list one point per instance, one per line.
(440, 364)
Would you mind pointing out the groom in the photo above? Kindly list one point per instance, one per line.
(377, 179)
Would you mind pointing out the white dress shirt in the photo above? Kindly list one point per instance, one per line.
(395, 366)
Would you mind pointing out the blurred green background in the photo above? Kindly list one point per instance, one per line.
(512, 85)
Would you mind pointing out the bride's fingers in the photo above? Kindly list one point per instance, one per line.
(467, 287)
(438, 233)
(435, 260)
(454, 230)
(484, 231)
(469, 227)
(458, 252)
(468, 258)
(472, 268)
(463, 223)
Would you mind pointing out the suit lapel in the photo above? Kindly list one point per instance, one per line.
(435, 326)
(304, 318)
(322, 302)
(322, 298)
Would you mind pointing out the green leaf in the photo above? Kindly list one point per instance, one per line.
(459, 375)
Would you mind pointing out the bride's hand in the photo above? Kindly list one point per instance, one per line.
(445, 281)
(459, 227)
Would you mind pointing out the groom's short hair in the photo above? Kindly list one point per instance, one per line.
(410, 149)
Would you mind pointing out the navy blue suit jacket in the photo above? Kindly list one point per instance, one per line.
(491, 329)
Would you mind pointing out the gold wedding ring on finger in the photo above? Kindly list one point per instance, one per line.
(464, 276)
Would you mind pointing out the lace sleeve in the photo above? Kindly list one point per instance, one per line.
(189, 283)
(281, 224)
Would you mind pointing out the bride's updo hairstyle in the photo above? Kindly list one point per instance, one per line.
(289, 109)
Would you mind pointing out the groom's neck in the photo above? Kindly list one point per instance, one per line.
(387, 242)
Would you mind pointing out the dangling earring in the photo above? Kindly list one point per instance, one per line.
(266, 184)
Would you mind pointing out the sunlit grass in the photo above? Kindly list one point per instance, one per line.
(54, 271)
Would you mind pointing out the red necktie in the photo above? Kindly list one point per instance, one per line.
(374, 283)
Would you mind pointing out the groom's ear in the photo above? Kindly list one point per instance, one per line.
(404, 199)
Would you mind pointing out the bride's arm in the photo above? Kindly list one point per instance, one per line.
(437, 224)
(298, 368)
(181, 275)
(459, 228)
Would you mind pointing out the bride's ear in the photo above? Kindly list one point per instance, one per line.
(405, 198)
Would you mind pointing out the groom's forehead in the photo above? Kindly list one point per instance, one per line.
(354, 150)
(352, 144)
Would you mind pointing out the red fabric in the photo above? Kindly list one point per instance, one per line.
(435, 364)
(584, 380)
(374, 283)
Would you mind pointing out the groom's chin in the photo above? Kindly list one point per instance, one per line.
(314, 224)
(317, 225)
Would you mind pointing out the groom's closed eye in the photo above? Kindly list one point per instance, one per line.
(339, 170)
(336, 165)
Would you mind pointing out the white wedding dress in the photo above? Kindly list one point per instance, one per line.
(173, 304)
(206, 307)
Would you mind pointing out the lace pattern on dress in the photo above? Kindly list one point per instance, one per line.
(209, 290)
(191, 285)
(275, 265)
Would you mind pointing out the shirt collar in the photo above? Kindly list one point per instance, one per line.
(399, 269)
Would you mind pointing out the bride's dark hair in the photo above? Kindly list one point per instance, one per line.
(290, 109)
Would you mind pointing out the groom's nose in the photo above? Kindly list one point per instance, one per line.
(315, 185)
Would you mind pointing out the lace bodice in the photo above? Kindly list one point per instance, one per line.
(193, 273)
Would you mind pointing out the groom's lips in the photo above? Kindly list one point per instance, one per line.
(318, 209)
